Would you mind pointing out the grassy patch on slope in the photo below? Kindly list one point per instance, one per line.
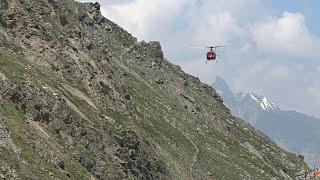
(12, 67)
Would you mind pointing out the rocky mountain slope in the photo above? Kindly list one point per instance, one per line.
(292, 130)
(80, 98)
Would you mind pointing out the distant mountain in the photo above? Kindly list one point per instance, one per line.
(291, 130)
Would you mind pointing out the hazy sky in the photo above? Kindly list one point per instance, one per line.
(273, 46)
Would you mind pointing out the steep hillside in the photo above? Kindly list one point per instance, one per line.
(292, 130)
(80, 98)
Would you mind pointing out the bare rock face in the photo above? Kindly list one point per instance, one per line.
(80, 98)
(155, 49)
(5, 139)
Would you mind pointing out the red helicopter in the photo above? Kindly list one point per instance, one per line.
(212, 54)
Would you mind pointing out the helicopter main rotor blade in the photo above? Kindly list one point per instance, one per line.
(197, 47)
(205, 47)
(219, 46)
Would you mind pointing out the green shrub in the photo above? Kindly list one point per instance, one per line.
(55, 68)
(4, 5)
(105, 89)
(63, 20)
(3, 23)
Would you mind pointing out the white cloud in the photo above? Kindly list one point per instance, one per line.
(313, 90)
(264, 76)
(206, 71)
(145, 18)
(219, 27)
(167, 20)
(287, 35)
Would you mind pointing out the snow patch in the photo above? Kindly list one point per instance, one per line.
(263, 106)
(253, 97)
(264, 103)
(267, 103)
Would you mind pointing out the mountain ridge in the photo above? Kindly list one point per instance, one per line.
(80, 98)
(282, 126)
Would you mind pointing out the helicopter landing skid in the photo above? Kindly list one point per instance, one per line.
(213, 61)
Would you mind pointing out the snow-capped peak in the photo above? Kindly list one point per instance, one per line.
(263, 102)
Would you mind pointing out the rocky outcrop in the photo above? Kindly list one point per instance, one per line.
(6, 141)
(154, 48)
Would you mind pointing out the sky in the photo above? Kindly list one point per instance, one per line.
(273, 47)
